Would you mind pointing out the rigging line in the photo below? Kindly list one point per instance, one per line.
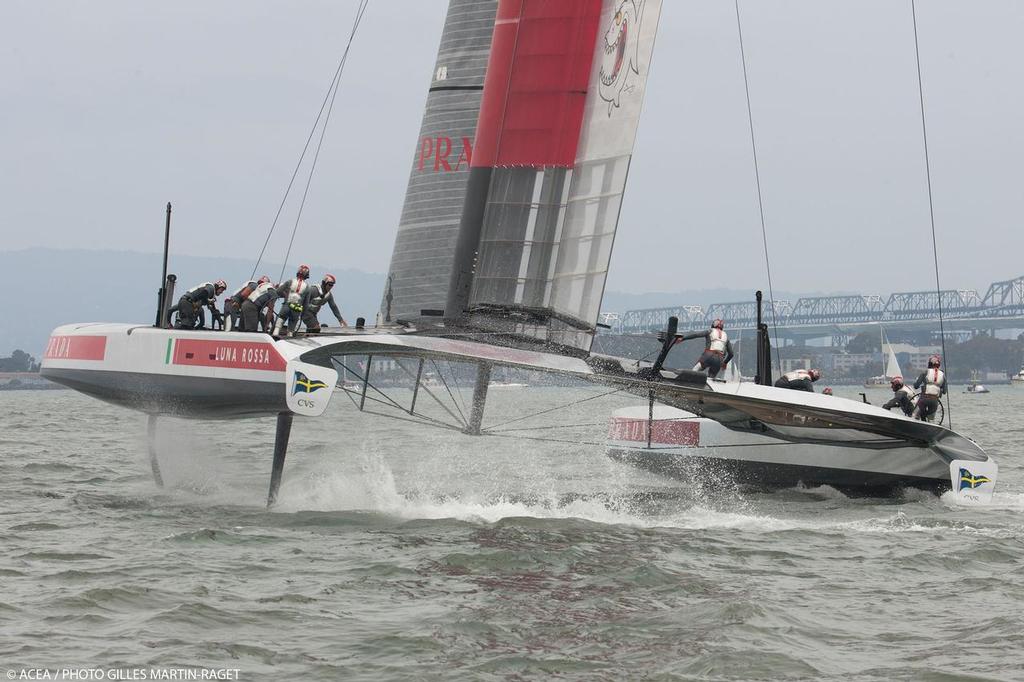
(548, 428)
(543, 440)
(757, 180)
(434, 423)
(431, 394)
(440, 376)
(295, 173)
(931, 208)
(370, 385)
(458, 389)
(553, 409)
(323, 130)
(426, 420)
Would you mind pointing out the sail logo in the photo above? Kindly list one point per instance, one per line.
(620, 57)
(439, 152)
(970, 481)
(304, 384)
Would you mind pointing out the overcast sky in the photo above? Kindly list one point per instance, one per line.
(110, 108)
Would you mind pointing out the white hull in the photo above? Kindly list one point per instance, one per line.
(700, 450)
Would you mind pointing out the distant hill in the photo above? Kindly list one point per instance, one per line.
(44, 288)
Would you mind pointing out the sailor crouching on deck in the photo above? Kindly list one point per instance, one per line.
(903, 397)
(233, 305)
(932, 383)
(258, 306)
(717, 348)
(295, 293)
(320, 295)
(190, 305)
(799, 380)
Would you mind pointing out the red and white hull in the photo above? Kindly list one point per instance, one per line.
(169, 371)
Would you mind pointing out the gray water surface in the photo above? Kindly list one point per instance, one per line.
(398, 551)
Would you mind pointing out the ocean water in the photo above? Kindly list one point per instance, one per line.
(398, 551)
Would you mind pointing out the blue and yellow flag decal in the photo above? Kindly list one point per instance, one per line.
(969, 480)
(304, 384)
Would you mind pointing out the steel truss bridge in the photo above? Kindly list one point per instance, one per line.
(839, 317)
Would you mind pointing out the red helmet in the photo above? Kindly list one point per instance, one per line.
(328, 280)
(827, 390)
(220, 285)
(896, 383)
(718, 324)
(935, 361)
(302, 272)
(815, 374)
(263, 280)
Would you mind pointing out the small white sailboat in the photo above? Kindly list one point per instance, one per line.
(975, 386)
(891, 364)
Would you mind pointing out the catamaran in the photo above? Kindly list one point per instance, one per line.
(500, 260)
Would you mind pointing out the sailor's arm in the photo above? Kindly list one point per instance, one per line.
(728, 353)
(334, 309)
(920, 380)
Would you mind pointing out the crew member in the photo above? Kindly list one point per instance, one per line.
(799, 380)
(233, 304)
(903, 397)
(257, 309)
(717, 348)
(295, 293)
(932, 384)
(318, 296)
(827, 390)
(190, 305)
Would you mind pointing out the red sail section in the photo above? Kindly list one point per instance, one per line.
(536, 85)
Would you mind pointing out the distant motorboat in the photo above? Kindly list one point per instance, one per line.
(976, 388)
(1018, 378)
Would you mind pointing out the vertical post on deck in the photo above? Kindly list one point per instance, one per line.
(366, 381)
(162, 296)
(154, 463)
(416, 388)
(650, 417)
(284, 431)
(476, 415)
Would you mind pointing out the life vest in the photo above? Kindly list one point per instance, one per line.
(907, 391)
(317, 300)
(934, 380)
(296, 287)
(263, 294)
(243, 293)
(797, 375)
(200, 293)
(717, 340)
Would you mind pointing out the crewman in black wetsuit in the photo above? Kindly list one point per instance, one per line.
(903, 397)
(318, 296)
(190, 305)
(717, 348)
(932, 383)
(258, 307)
(799, 380)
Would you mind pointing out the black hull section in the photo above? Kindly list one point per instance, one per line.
(184, 396)
(774, 476)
